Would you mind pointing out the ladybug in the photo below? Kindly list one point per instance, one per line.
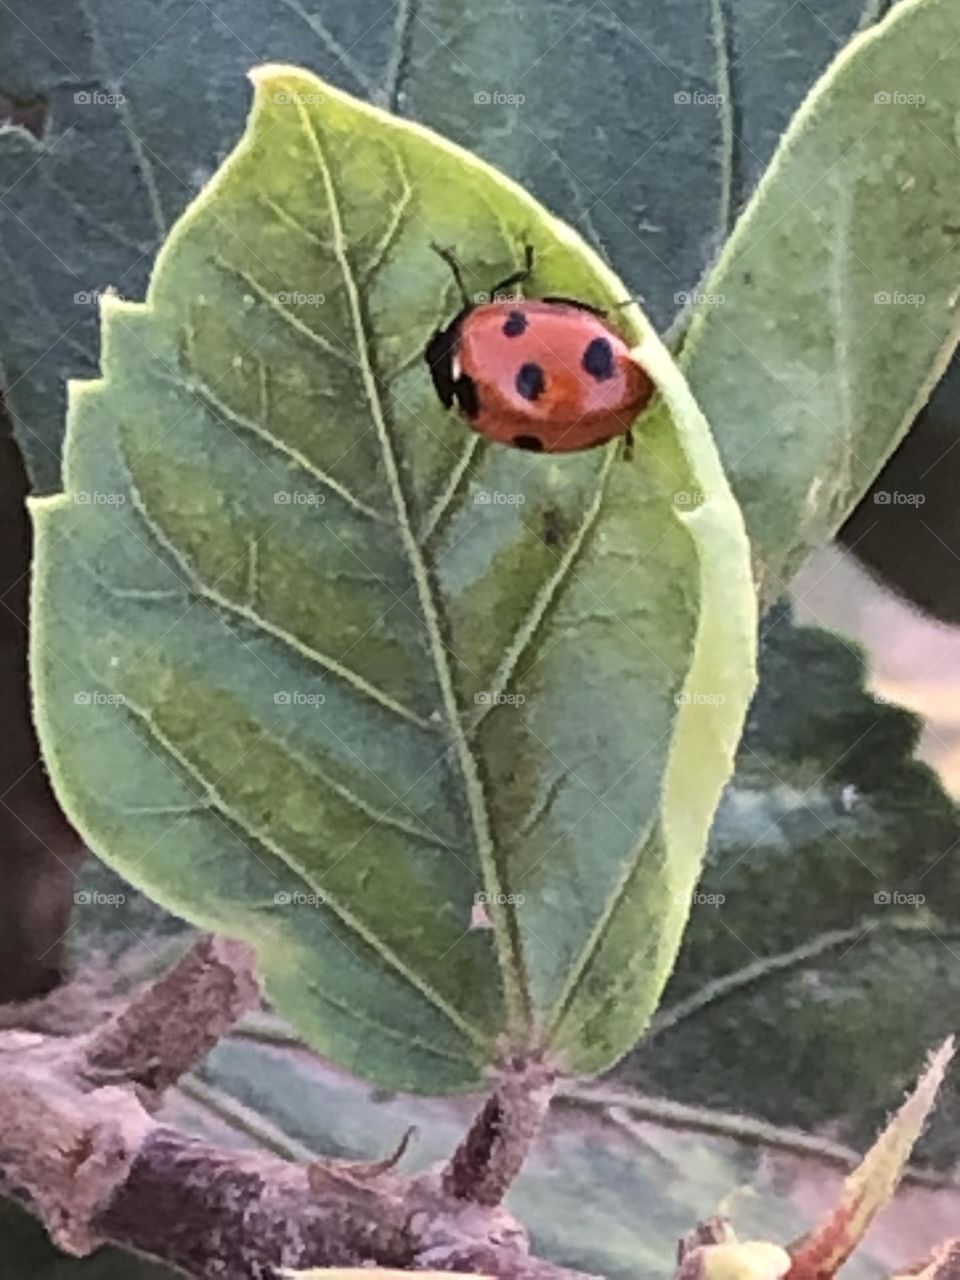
(546, 374)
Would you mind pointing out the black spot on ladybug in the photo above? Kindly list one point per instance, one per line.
(530, 381)
(748, 277)
(514, 325)
(598, 360)
(465, 389)
(533, 443)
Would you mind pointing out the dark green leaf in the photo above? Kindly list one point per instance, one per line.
(651, 180)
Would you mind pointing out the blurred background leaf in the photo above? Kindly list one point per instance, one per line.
(828, 814)
(603, 135)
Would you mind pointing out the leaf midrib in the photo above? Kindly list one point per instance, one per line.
(516, 993)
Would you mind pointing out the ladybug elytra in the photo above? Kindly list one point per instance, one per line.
(546, 374)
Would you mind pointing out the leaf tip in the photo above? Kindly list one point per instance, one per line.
(872, 1185)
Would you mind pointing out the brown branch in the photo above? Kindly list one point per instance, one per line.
(95, 1166)
(175, 1022)
(79, 1146)
(491, 1155)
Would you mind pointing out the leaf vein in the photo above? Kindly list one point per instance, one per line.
(219, 803)
(197, 386)
(209, 594)
(283, 311)
(447, 493)
(526, 632)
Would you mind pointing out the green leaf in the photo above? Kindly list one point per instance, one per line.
(334, 695)
(833, 308)
(87, 203)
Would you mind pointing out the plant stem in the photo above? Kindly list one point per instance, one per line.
(173, 1024)
(491, 1155)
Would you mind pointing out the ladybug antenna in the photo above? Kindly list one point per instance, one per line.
(450, 258)
(629, 302)
(517, 277)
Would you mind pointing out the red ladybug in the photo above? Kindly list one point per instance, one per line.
(547, 374)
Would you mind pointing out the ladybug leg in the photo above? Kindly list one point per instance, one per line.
(517, 277)
(628, 445)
